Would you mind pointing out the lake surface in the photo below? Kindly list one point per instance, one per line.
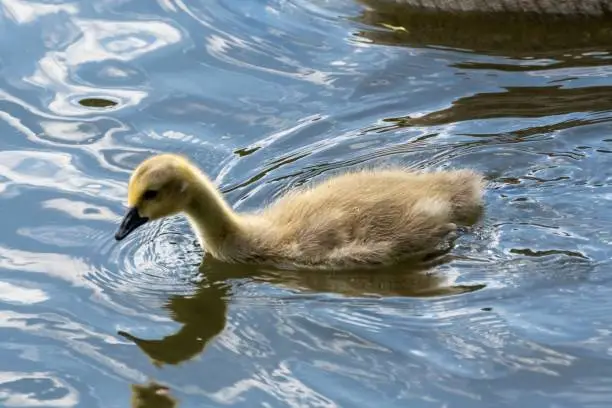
(265, 96)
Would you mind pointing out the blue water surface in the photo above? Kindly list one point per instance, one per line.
(266, 95)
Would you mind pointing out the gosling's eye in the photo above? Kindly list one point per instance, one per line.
(149, 195)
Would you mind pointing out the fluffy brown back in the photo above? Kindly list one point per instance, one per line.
(370, 217)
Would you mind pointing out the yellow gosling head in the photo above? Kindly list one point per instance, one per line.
(159, 187)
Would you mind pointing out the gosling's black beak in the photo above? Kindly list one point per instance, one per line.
(130, 222)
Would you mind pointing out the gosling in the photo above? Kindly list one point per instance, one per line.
(357, 219)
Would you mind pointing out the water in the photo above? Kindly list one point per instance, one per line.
(266, 95)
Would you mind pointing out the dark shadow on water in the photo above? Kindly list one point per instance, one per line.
(203, 315)
(97, 103)
(517, 35)
(523, 102)
(151, 396)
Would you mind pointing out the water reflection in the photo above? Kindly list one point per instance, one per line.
(24, 12)
(97, 102)
(517, 102)
(34, 389)
(519, 35)
(89, 41)
(266, 96)
(151, 395)
(203, 314)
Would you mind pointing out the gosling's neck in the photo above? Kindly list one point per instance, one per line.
(210, 215)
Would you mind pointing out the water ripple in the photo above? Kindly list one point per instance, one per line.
(266, 96)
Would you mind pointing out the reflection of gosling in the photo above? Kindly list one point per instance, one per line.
(371, 217)
(151, 396)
